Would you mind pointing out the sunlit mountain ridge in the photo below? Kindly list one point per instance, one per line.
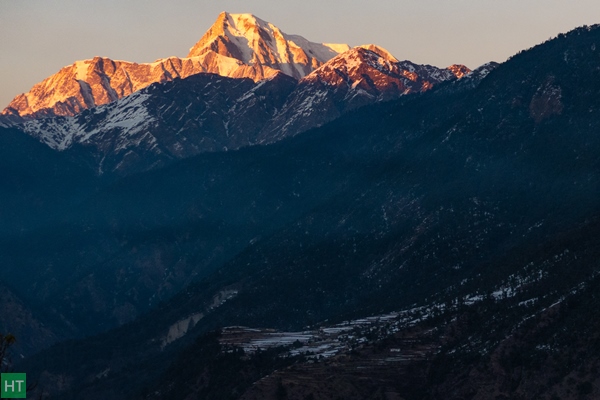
(235, 46)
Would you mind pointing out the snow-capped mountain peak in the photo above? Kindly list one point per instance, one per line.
(236, 46)
(380, 51)
(257, 42)
(376, 71)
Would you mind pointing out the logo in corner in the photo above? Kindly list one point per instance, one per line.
(13, 386)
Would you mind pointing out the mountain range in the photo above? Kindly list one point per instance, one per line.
(237, 45)
(117, 114)
(251, 238)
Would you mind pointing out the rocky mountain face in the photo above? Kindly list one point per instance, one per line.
(264, 47)
(463, 222)
(166, 122)
(363, 75)
(237, 45)
(208, 112)
(244, 83)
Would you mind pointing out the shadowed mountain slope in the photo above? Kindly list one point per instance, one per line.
(456, 197)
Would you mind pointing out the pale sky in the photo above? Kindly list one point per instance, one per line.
(38, 37)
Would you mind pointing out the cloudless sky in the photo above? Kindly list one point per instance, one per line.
(38, 37)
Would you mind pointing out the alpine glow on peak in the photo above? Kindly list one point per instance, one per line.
(236, 46)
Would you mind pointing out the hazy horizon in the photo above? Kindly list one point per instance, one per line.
(40, 37)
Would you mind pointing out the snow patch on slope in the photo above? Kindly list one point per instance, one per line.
(81, 69)
(131, 117)
(180, 328)
(60, 133)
